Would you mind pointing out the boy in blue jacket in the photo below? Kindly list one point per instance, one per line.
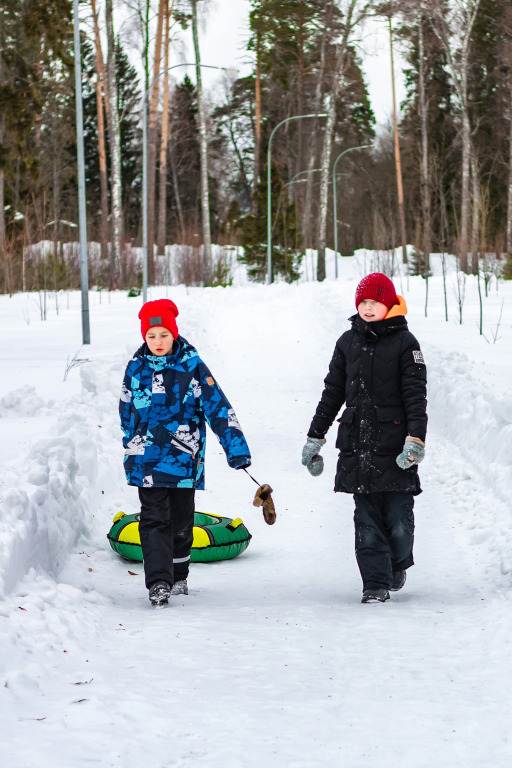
(168, 395)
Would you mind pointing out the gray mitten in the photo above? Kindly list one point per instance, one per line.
(315, 466)
(412, 454)
(311, 449)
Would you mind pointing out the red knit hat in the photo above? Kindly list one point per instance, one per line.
(160, 312)
(377, 287)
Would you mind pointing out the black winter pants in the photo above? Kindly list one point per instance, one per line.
(165, 527)
(384, 533)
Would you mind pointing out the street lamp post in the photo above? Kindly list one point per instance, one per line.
(82, 211)
(145, 169)
(335, 202)
(269, 191)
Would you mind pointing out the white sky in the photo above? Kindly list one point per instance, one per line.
(224, 34)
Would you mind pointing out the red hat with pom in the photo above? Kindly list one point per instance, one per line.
(160, 312)
(377, 287)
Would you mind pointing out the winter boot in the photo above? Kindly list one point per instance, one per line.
(180, 587)
(398, 580)
(159, 593)
(375, 596)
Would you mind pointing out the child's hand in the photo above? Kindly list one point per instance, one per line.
(315, 466)
(311, 449)
(413, 453)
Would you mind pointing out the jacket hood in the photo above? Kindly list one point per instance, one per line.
(397, 309)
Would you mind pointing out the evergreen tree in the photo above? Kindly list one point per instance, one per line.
(184, 187)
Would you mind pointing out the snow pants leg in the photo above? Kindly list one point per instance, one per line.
(384, 536)
(166, 532)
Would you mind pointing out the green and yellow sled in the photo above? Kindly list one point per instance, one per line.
(215, 537)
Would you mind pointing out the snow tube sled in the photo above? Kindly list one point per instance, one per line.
(215, 537)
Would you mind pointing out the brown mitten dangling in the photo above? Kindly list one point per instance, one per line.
(264, 499)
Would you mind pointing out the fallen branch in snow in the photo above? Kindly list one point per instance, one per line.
(73, 363)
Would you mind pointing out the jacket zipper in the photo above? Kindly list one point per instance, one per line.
(182, 445)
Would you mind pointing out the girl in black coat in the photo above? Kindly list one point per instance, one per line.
(378, 372)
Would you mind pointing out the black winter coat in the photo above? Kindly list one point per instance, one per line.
(378, 371)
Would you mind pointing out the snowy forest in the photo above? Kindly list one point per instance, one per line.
(200, 168)
(440, 179)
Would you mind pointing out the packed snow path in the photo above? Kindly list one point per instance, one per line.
(271, 659)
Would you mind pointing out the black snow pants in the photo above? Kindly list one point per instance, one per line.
(166, 532)
(384, 535)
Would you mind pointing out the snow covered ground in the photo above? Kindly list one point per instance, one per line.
(271, 660)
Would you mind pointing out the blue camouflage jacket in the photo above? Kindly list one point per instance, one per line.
(165, 404)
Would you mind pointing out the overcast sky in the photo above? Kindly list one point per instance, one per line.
(223, 37)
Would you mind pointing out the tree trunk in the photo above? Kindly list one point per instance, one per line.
(2, 176)
(398, 163)
(175, 183)
(162, 196)
(458, 61)
(465, 201)
(2, 210)
(152, 139)
(101, 95)
(257, 128)
(475, 214)
(509, 200)
(329, 130)
(425, 182)
(205, 201)
(115, 155)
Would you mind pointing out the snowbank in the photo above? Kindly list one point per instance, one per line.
(48, 496)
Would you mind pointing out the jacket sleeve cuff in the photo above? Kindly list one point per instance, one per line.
(415, 440)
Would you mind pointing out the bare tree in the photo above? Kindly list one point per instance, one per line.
(2, 175)
(424, 175)
(317, 106)
(398, 163)
(507, 55)
(101, 98)
(355, 10)
(257, 126)
(162, 196)
(454, 26)
(205, 200)
(152, 136)
(115, 152)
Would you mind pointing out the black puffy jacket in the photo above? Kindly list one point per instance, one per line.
(378, 371)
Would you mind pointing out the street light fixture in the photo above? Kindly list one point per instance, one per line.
(335, 202)
(292, 181)
(145, 168)
(269, 191)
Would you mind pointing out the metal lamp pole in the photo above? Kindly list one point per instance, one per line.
(145, 169)
(82, 211)
(335, 202)
(270, 277)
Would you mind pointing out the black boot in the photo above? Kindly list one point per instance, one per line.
(375, 595)
(159, 593)
(398, 580)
